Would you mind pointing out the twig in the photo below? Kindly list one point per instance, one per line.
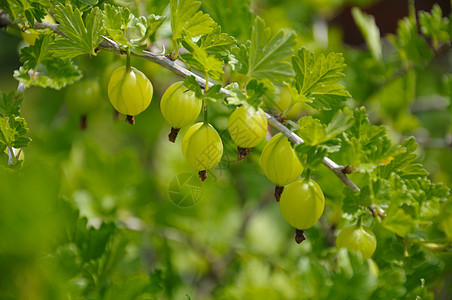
(180, 70)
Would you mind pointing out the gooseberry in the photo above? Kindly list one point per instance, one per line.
(302, 203)
(179, 107)
(357, 238)
(202, 147)
(280, 163)
(247, 128)
(130, 91)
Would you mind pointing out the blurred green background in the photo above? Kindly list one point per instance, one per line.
(233, 243)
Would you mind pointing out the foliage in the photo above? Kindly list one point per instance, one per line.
(88, 214)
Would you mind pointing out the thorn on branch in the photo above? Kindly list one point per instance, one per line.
(348, 170)
(281, 118)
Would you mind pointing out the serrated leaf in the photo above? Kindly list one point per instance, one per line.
(186, 17)
(25, 10)
(399, 222)
(434, 25)
(12, 131)
(403, 162)
(265, 56)
(42, 69)
(199, 59)
(411, 46)
(82, 37)
(232, 15)
(252, 96)
(312, 156)
(217, 43)
(370, 31)
(10, 103)
(316, 79)
(128, 30)
(340, 123)
(312, 131)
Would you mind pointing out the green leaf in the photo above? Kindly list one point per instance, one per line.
(252, 96)
(212, 94)
(10, 103)
(82, 37)
(25, 10)
(411, 46)
(312, 131)
(399, 222)
(340, 123)
(42, 69)
(128, 30)
(199, 59)
(12, 132)
(217, 43)
(265, 56)
(370, 31)
(404, 162)
(312, 156)
(354, 201)
(435, 26)
(186, 17)
(316, 78)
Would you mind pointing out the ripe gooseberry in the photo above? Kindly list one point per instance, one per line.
(302, 203)
(130, 91)
(247, 128)
(82, 98)
(357, 238)
(179, 107)
(202, 147)
(280, 163)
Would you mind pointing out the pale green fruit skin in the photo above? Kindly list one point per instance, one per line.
(280, 162)
(247, 127)
(202, 146)
(83, 97)
(302, 203)
(359, 239)
(130, 92)
(179, 107)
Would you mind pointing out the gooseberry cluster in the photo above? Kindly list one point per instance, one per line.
(301, 200)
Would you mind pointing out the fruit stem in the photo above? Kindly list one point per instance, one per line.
(128, 60)
(360, 221)
(206, 121)
(308, 174)
(204, 101)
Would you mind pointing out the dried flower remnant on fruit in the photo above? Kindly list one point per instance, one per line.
(299, 236)
(278, 192)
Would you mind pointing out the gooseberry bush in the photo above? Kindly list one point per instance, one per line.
(264, 113)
